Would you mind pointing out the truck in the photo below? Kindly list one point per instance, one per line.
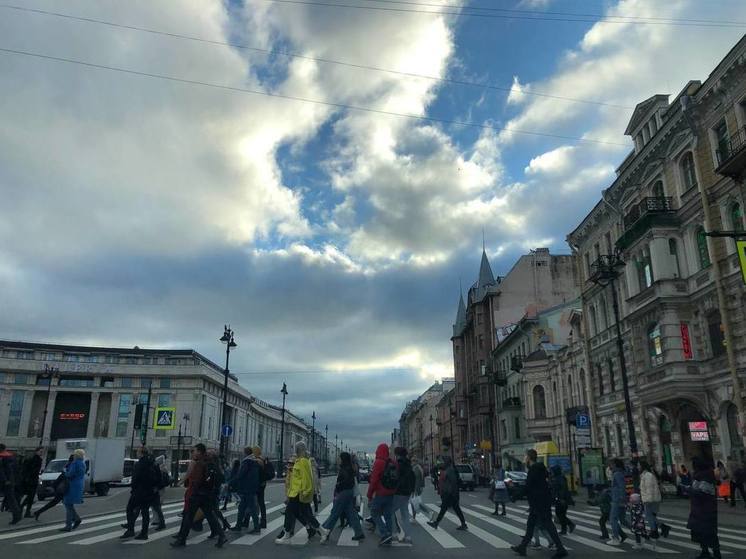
(103, 465)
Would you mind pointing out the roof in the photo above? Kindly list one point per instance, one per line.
(642, 109)
(460, 324)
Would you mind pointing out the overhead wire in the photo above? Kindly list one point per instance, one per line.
(332, 104)
(537, 17)
(289, 54)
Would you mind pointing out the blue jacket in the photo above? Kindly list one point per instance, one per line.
(618, 488)
(75, 474)
(247, 480)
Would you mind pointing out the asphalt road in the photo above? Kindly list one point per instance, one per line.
(488, 537)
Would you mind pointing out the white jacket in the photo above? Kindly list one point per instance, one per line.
(649, 490)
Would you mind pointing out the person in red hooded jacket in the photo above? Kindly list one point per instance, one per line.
(381, 494)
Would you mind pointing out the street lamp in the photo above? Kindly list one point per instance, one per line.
(49, 374)
(227, 339)
(326, 446)
(605, 274)
(284, 393)
(313, 434)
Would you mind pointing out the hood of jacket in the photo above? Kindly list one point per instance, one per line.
(382, 452)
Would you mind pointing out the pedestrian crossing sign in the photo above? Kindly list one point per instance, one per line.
(742, 257)
(165, 418)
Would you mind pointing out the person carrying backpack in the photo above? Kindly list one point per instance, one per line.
(146, 479)
(384, 479)
(404, 491)
(246, 484)
(203, 477)
(448, 487)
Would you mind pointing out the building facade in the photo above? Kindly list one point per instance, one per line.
(419, 424)
(679, 291)
(93, 392)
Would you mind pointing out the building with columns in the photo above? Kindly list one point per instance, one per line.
(94, 391)
(680, 292)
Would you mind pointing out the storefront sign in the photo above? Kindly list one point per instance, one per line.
(698, 426)
(686, 342)
(72, 416)
(698, 431)
(700, 436)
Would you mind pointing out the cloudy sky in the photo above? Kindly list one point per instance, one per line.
(220, 180)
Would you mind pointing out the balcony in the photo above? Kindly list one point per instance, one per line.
(511, 404)
(516, 363)
(650, 212)
(731, 155)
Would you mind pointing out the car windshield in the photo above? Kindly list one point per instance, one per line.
(463, 469)
(55, 467)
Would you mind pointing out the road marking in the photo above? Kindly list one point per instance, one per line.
(345, 538)
(251, 539)
(301, 537)
(443, 538)
(503, 523)
(494, 541)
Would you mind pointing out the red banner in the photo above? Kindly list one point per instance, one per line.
(686, 342)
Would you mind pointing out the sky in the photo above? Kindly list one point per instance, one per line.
(210, 178)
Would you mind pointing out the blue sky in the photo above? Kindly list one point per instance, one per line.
(141, 211)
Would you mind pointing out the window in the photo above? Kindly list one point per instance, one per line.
(702, 250)
(569, 389)
(644, 269)
(722, 149)
(587, 258)
(736, 217)
(125, 401)
(76, 382)
(658, 190)
(165, 382)
(584, 397)
(21, 378)
(607, 437)
(688, 174)
(517, 427)
(604, 322)
(14, 415)
(146, 382)
(594, 321)
(607, 239)
(655, 345)
(47, 356)
(503, 430)
(126, 382)
(26, 355)
(110, 359)
(716, 334)
(130, 361)
(673, 250)
(72, 358)
(540, 404)
(600, 380)
(619, 439)
(612, 380)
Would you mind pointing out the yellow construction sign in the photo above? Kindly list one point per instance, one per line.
(741, 245)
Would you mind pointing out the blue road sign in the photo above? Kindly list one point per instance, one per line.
(227, 430)
(582, 420)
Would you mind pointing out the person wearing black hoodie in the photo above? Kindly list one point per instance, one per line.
(146, 478)
(8, 480)
(562, 499)
(404, 491)
(30, 479)
(448, 487)
(539, 507)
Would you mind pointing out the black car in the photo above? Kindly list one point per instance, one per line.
(516, 484)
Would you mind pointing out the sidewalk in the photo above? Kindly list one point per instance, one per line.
(727, 515)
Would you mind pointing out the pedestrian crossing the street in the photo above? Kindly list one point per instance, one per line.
(485, 531)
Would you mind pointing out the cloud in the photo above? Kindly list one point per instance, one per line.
(535, 4)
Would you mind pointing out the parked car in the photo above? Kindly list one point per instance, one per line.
(364, 474)
(516, 484)
(467, 476)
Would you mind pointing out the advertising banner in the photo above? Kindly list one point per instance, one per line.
(592, 466)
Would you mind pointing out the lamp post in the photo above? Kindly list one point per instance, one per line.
(313, 434)
(49, 373)
(227, 339)
(432, 442)
(336, 453)
(326, 446)
(605, 274)
(284, 393)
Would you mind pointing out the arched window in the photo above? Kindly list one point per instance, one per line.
(688, 174)
(612, 380)
(715, 333)
(655, 345)
(736, 216)
(658, 191)
(673, 250)
(702, 251)
(600, 380)
(540, 403)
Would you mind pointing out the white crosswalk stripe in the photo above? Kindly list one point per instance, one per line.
(483, 535)
(501, 524)
(446, 540)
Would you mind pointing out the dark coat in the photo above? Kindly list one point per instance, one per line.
(703, 508)
(146, 478)
(31, 471)
(345, 479)
(537, 489)
(246, 481)
(8, 469)
(406, 477)
(449, 486)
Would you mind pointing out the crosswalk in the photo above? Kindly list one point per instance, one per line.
(494, 532)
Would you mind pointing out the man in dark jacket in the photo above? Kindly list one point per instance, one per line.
(246, 484)
(8, 479)
(381, 493)
(448, 487)
(30, 479)
(562, 499)
(539, 507)
(146, 478)
(404, 491)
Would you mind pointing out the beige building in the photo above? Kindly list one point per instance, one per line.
(681, 294)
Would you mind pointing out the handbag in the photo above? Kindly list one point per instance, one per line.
(499, 484)
(61, 486)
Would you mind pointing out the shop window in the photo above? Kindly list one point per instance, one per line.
(688, 173)
(655, 345)
(716, 333)
(125, 402)
(703, 251)
(14, 413)
(540, 404)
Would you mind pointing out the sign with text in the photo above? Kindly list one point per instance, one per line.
(686, 341)
(592, 466)
(700, 436)
(698, 426)
(165, 418)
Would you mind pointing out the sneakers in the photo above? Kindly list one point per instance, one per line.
(324, 532)
(358, 538)
(284, 539)
(535, 545)
(463, 528)
(613, 542)
(385, 541)
(433, 525)
(519, 550)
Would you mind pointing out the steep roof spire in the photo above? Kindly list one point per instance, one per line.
(485, 273)
(460, 324)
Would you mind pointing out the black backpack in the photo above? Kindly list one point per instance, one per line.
(268, 471)
(214, 477)
(390, 477)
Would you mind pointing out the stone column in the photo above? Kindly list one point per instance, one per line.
(46, 436)
(92, 415)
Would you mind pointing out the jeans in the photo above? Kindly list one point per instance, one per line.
(736, 486)
(381, 509)
(55, 501)
(616, 514)
(560, 509)
(602, 524)
(158, 510)
(247, 504)
(541, 519)
(71, 517)
(651, 512)
(344, 506)
(400, 507)
(28, 500)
